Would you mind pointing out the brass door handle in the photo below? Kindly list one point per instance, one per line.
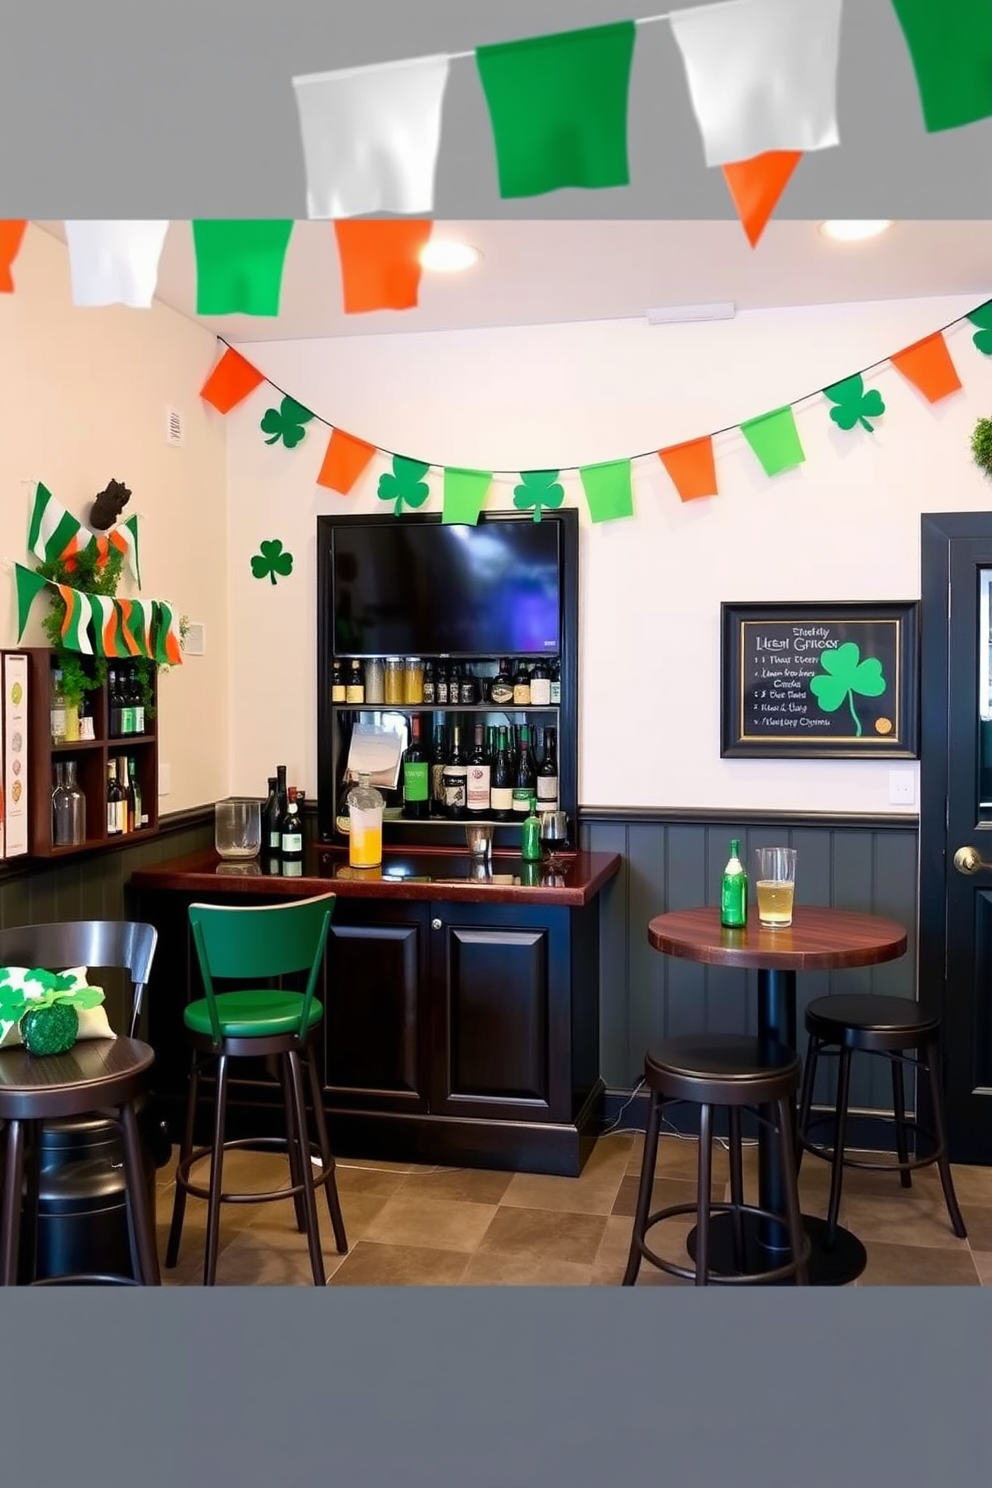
(968, 860)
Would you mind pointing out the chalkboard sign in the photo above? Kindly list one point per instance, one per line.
(828, 681)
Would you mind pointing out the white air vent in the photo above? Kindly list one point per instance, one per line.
(195, 643)
(173, 426)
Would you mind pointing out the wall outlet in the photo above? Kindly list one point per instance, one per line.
(902, 788)
(164, 779)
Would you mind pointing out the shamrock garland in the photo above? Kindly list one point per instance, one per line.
(538, 490)
(271, 559)
(982, 318)
(843, 675)
(405, 484)
(286, 423)
(854, 405)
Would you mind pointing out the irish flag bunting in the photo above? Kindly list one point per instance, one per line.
(465, 493)
(11, 238)
(950, 44)
(371, 137)
(927, 365)
(96, 624)
(344, 461)
(75, 622)
(55, 534)
(692, 468)
(230, 382)
(239, 265)
(380, 262)
(774, 438)
(115, 263)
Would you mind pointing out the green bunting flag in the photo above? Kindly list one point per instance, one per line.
(29, 586)
(239, 265)
(558, 107)
(464, 496)
(775, 440)
(96, 624)
(608, 489)
(950, 43)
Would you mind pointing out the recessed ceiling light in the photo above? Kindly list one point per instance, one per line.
(445, 256)
(853, 232)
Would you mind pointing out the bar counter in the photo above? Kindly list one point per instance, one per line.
(462, 1011)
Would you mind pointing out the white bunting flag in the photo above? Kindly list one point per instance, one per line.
(762, 75)
(115, 263)
(371, 137)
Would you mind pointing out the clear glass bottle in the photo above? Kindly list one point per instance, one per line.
(76, 808)
(365, 806)
(60, 813)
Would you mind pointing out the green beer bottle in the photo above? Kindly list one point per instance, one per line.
(733, 891)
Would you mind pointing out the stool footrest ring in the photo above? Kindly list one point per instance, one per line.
(826, 1154)
(321, 1176)
(686, 1273)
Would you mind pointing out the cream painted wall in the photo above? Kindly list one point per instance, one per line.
(84, 396)
(843, 527)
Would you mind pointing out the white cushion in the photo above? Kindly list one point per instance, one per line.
(93, 1022)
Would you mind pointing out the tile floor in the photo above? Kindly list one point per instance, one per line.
(428, 1226)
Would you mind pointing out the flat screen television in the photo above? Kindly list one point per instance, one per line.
(413, 586)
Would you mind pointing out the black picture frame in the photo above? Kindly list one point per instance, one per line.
(770, 655)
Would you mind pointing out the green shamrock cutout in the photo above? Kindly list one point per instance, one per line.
(538, 489)
(405, 484)
(271, 560)
(843, 675)
(982, 318)
(286, 423)
(854, 405)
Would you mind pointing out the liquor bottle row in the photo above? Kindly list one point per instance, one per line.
(126, 812)
(499, 777)
(72, 717)
(394, 681)
(282, 827)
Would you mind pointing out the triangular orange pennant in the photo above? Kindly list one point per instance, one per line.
(756, 185)
(927, 365)
(230, 382)
(380, 262)
(691, 467)
(11, 238)
(344, 462)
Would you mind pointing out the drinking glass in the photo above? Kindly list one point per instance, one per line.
(554, 836)
(237, 828)
(775, 884)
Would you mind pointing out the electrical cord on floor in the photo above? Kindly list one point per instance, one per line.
(615, 1129)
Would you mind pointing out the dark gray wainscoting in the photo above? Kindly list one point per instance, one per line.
(674, 860)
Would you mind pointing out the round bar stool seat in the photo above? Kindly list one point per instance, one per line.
(851, 1023)
(95, 1075)
(735, 1073)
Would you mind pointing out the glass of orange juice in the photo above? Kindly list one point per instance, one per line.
(775, 885)
(365, 806)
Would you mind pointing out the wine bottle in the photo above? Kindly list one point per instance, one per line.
(430, 687)
(140, 815)
(416, 776)
(733, 890)
(540, 685)
(114, 800)
(468, 692)
(113, 706)
(338, 689)
(137, 702)
(126, 704)
(555, 684)
(521, 686)
(501, 782)
(442, 684)
(439, 754)
(501, 688)
(456, 779)
(547, 774)
(291, 839)
(479, 770)
(124, 786)
(525, 783)
(355, 690)
(271, 821)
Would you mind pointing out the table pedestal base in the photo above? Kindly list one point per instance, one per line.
(837, 1265)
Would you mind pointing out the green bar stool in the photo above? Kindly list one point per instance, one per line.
(260, 942)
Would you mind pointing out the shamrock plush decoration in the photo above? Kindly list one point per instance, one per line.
(538, 490)
(286, 423)
(982, 318)
(271, 560)
(405, 485)
(843, 675)
(854, 405)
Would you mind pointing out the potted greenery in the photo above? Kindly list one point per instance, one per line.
(45, 1006)
(981, 445)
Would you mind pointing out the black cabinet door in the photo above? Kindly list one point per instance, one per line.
(376, 1030)
(500, 980)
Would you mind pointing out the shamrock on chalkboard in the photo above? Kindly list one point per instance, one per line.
(286, 423)
(271, 560)
(982, 318)
(854, 405)
(538, 490)
(405, 484)
(843, 675)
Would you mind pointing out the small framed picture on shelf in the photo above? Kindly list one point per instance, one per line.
(819, 681)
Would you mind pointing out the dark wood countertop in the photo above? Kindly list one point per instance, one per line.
(422, 874)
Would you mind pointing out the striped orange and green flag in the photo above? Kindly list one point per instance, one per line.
(75, 622)
(166, 649)
(134, 627)
(53, 533)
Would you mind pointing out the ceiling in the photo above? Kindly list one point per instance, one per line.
(540, 272)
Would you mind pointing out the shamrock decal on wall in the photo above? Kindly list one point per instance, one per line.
(271, 560)
(286, 423)
(843, 675)
(538, 490)
(854, 404)
(982, 318)
(405, 484)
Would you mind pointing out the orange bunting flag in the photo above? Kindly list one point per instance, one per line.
(927, 365)
(11, 238)
(230, 382)
(756, 186)
(691, 467)
(380, 262)
(344, 462)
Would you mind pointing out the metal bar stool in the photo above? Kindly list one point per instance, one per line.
(854, 1022)
(96, 1075)
(738, 1073)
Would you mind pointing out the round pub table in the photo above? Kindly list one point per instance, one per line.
(817, 940)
